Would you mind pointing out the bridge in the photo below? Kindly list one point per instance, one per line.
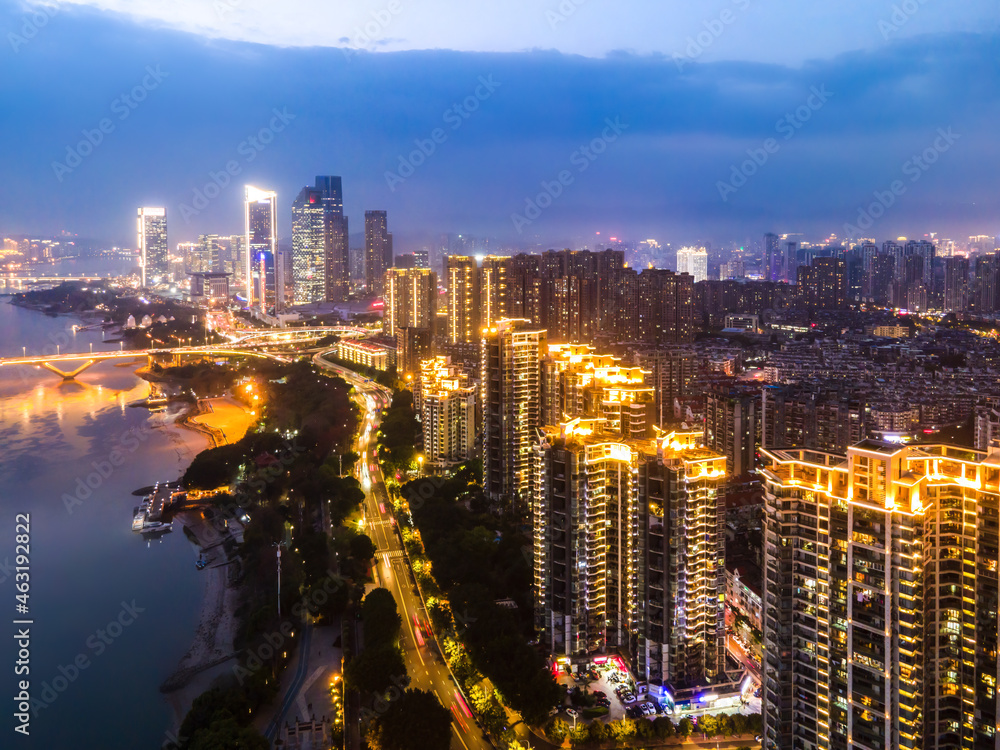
(245, 345)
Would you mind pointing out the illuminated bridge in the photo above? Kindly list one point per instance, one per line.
(241, 346)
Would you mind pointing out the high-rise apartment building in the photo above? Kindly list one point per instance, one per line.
(265, 272)
(774, 264)
(320, 260)
(511, 402)
(823, 284)
(378, 251)
(732, 426)
(447, 406)
(880, 603)
(629, 552)
(578, 382)
(152, 238)
(693, 260)
(410, 299)
(666, 306)
(956, 283)
(462, 281)
(493, 290)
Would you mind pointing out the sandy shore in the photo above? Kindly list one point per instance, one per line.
(211, 652)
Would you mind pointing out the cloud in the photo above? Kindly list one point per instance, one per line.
(359, 114)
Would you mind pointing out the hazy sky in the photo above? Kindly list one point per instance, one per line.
(681, 121)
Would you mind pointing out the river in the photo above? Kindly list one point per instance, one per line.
(112, 615)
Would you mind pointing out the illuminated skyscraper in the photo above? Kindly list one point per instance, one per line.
(410, 299)
(153, 254)
(511, 405)
(378, 251)
(265, 273)
(205, 258)
(693, 260)
(493, 289)
(320, 263)
(629, 552)
(881, 591)
(463, 299)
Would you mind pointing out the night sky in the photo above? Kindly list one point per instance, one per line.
(682, 121)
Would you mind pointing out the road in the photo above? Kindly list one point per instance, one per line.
(424, 664)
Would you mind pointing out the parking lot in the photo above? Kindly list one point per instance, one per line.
(609, 681)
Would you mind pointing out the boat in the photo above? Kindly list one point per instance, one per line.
(156, 527)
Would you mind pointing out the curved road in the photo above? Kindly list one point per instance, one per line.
(424, 664)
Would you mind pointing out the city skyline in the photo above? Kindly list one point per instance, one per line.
(714, 150)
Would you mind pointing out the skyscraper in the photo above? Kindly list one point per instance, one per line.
(462, 280)
(378, 251)
(153, 254)
(693, 260)
(410, 299)
(773, 262)
(265, 275)
(319, 243)
(881, 590)
(511, 405)
(206, 258)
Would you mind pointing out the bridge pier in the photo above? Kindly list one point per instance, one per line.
(68, 375)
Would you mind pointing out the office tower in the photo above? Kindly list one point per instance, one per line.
(206, 255)
(880, 615)
(773, 261)
(493, 290)
(410, 299)
(378, 251)
(578, 382)
(153, 254)
(666, 306)
(629, 552)
(694, 261)
(265, 278)
(732, 425)
(956, 284)
(447, 407)
(320, 262)
(790, 264)
(462, 281)
(237, 255)
(511, 402)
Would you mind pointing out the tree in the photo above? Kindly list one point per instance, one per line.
(664, 727)
(708, 725)
(685, 727)
(381, 619)
(227, 734)
(557, 730)
(362, 547)
(414, 721)
(376, 669)
(599, 731)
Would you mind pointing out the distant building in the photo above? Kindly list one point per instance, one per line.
(693, 261)
(153, 249)
(366, 353)
(265, 272)
(210, 289)
(410, 299)
(320, 261)
(378, 251)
